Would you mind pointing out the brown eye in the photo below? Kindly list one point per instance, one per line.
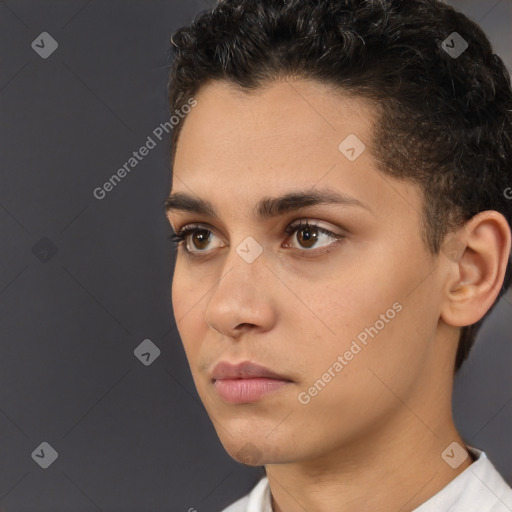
(308, 236)
(200, 238)
(193, 239)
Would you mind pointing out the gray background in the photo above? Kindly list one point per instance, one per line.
(84, 281)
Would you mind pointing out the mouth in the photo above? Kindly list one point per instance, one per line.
(246, 382)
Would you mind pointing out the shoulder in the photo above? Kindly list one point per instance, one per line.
(258, 500)
(489, 486)
(479, 488)
(238, 506)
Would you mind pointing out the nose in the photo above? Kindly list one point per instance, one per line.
(243, 297)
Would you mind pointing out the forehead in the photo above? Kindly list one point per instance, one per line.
(236, 147)
(280, 112)
(283, 127)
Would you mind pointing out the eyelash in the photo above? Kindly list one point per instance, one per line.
(184, 233)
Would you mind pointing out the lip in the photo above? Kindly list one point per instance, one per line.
(245, 382)
(244, 370)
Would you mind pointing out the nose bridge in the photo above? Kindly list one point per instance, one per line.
(240, 295)
(245, 264)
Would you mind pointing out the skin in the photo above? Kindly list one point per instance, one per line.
(372, 438)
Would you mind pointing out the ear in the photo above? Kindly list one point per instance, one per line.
(476, 258)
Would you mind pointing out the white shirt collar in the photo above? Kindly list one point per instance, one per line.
(479, 488)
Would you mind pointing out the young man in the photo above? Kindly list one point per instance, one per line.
(341, 199)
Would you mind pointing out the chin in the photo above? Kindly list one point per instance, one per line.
(249, 454)
(252, 451)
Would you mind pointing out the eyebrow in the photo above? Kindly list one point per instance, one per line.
(268, 207)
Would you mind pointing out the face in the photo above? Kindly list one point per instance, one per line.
(344, 310)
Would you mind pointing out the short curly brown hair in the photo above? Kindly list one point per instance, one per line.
(443, 121)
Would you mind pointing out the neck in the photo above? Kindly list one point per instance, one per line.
(398, 469)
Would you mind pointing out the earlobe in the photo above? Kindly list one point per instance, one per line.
(476, 258)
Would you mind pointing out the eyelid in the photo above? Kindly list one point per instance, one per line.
(187, 229)
(199, 226)
(296, 226)
(303, 221)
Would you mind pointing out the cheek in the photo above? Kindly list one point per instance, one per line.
(188, 310)
(361, 315)
(384, 334)
(349, 381)
(188, 292)
(179, 297)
